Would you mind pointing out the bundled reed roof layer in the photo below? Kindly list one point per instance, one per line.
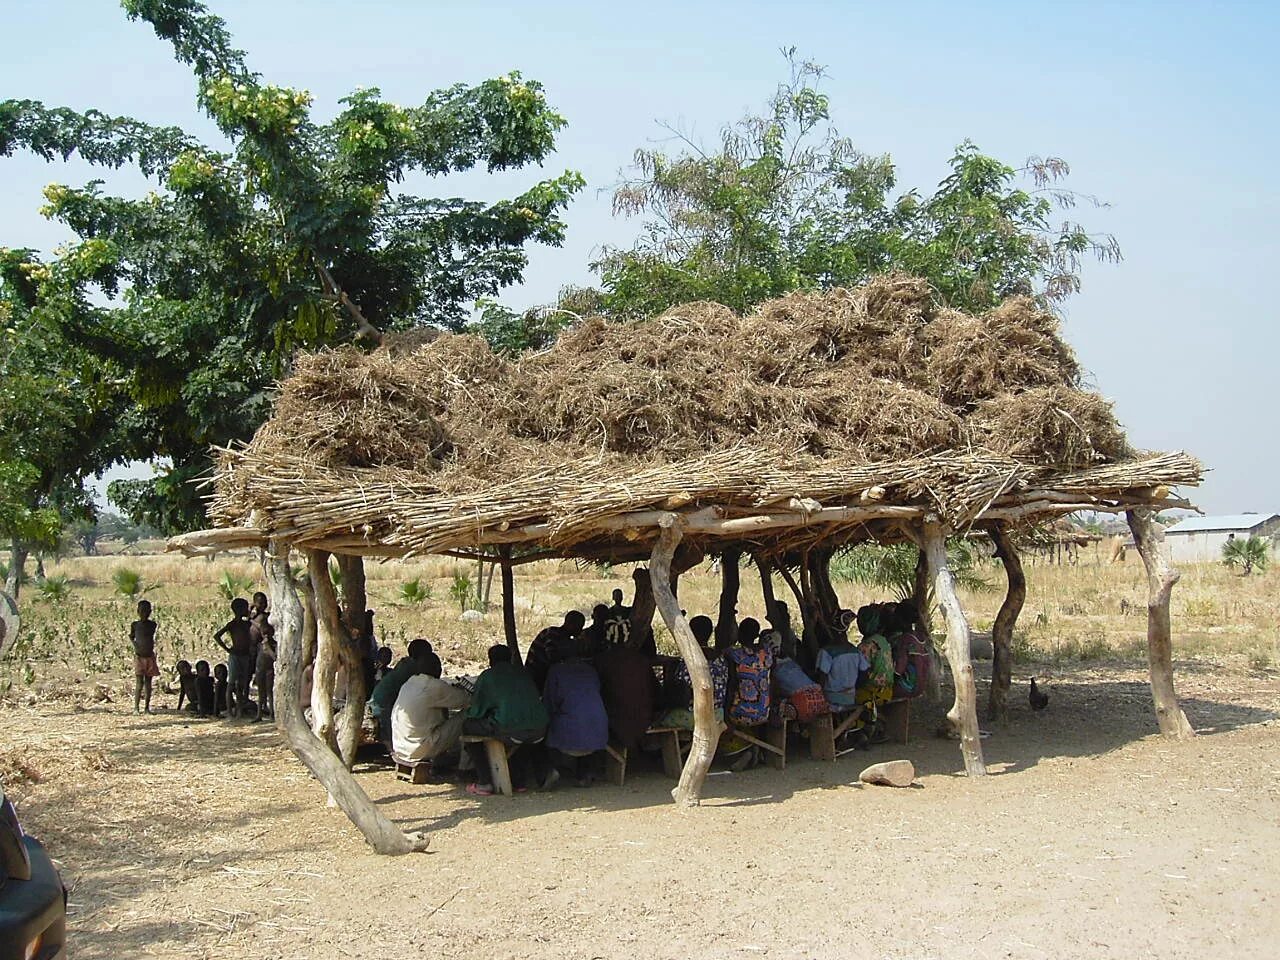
(822, 397)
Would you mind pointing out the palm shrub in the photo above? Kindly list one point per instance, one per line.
(460, 590)
(415, 591)
(893, 568)
(1246, 555)
(232, 586)
(128, 582)
(55, 589)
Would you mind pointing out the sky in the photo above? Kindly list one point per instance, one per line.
(1165, 110)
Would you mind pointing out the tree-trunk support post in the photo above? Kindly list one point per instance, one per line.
(706, 729)
(325, 669)
(354, 633)
(921, 596)
(509, 602)
(287, 617)
(727, 618)
(963, 714)
(1006, 620)
(1148, 536)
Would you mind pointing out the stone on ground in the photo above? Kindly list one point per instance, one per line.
(891, 773)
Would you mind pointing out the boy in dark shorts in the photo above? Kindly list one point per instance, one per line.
(264, 675)
(220, 690)
(204, 689)
(142, 634)
(239, 656)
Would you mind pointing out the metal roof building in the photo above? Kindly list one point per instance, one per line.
(1200, 539)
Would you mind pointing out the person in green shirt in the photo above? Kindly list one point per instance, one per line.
(505, 706)
(385, 691)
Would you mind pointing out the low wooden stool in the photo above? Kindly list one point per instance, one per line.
(615, 763)
(497, 752)
(774, 745)
(412, 771)
(672, 751)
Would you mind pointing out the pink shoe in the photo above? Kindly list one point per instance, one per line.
(476, 790)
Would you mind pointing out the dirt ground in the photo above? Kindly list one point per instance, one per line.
(1092, 838)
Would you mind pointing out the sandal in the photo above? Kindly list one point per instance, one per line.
(479, 790)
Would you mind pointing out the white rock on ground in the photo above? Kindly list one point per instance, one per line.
(891, 773)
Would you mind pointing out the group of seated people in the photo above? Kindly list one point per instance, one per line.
(583, 686)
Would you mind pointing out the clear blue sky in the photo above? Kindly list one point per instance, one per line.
(1167, 110)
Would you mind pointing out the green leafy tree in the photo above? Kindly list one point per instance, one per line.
(1246, 554)
(61, 406)
(785, 202)
(297, 236)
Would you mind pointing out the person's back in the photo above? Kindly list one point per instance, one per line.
(752, 671)
(383, 697)
(578, 719)
(629, 690)
(839, 665)
(506, 696)
(422, 726)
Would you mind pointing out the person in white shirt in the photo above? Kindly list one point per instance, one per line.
(426, 720)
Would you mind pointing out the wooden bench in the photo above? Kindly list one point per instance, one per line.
(673, 751)
(774, 744)
(497, 753)
(615, 763)
(827, 729)
(411, 771)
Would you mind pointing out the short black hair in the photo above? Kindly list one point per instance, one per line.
(575, 616)
(701, 628)
(258, 594)
(419, 649)
(748, 630)
(239, 604)
(499, 653)
(433, 666)
(183, 663)
(202, 664)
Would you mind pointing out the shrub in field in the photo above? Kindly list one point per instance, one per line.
(415, 591)
(1246, 555)
(55, 589)
(461, 591)
(232, 586)
(128, 582)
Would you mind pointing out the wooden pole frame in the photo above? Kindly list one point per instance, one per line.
(509, 603)
(963, 714)
(1006, 620)
(318, 757)
(325, 668)
(1148, 535)
(706, 729)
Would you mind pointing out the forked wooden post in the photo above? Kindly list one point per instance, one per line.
(1006, 620)
(287, 617)
(920, 596)
(706, 729)
(1148, 535)
(964, 712)
(509, 602)
(325, 669)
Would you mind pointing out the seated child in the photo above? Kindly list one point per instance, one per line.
(204, 689)
(790, 681)
(186, 686)
(220, 684)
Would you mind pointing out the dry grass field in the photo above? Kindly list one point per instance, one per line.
(1092, 838)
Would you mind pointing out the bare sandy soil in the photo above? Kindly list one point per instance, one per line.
(1093, 838)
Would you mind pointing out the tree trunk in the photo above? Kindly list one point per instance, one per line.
(765, 569)
(355, 600)
(1006, 620)
(354, 635)
(642, 609)
(17, 565)
(921, 596)
(963, 714)
(1148, 536)
(808, 623)
(40, 575)
(325, 670)
(824, 593)
(288, 618)
(727, 617)
(706, 729)
(509, 603)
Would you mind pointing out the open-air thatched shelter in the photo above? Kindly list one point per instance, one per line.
(820, 421)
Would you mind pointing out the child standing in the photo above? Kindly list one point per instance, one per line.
(142, 634)
(239, 656)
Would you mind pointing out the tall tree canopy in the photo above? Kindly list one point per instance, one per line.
(293, 233)
(62, 407)
(787, 203)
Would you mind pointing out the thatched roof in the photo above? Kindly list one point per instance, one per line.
(820, 416)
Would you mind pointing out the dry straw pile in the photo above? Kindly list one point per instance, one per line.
(873, 374)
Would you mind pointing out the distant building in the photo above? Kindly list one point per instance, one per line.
(1200, 539)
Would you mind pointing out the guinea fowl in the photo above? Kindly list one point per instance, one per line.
(1039, 699)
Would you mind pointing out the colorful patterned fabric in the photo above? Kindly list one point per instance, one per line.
(752, 667)
(719, 682)
(809, 703)
(881, 672)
